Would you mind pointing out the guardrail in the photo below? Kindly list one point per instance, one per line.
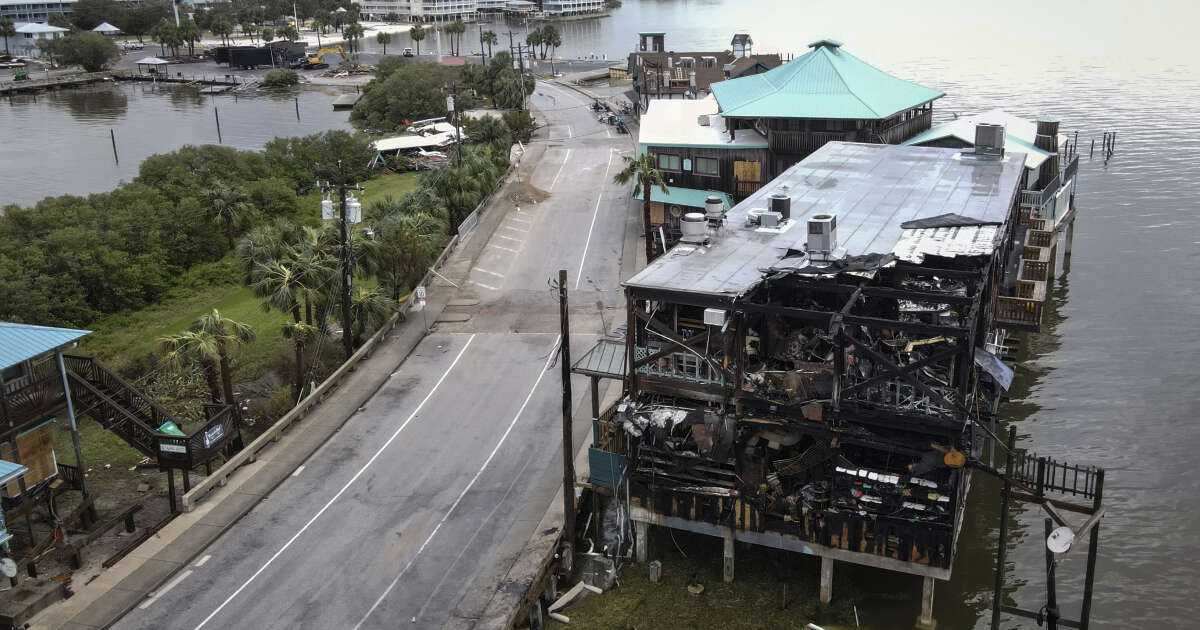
(249, 454)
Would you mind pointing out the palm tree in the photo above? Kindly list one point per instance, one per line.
(383, 39)
(417, 33)
(301, 334)
(453, 29)
(318, 25)
(199, 346)
(368, 306)
(266, 243)
(227, 204)
(227, 334)
(191, 35)
(281, 285)
(353, 32)
(644, 173)
(408, 244)
(7, 29)
(268, 33)
(289, 33)
(489, 38)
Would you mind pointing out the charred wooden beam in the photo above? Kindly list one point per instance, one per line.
(890, 366)
(910, 268)
(909, 367)
(819, 318)
(914, 327)
(917, 296)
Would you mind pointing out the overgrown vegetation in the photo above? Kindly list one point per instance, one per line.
(281, 78)
(404, 91)
(91, 51)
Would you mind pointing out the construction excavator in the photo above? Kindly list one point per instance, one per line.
(317, 60)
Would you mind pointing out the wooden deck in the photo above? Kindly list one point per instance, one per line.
(88, 78)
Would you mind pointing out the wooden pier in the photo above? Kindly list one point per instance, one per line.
(346, 101)
(9, 88)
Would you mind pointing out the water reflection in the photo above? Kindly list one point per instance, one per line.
(92, 104)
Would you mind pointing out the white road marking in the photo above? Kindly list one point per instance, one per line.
(566, 157)
(298, 471)
(515, 229)
(462, 494)
(493, 273)
(508, 238)
(507, 249)
(486, 286)
(358, 474)
(579, 276)
(201, 561)
(570, 133)
(163, 591)
(607, 133)
(521, 220)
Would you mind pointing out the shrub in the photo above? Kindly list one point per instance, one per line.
(281, 78)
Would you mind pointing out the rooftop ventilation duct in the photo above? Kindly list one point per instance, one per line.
(694, 228)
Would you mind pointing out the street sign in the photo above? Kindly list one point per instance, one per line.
(420, 295)
(212, 434)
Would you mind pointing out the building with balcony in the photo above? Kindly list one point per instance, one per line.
(26, 11)
(28, 35)
(1047, 201)
(564, 8)
(443, 10)
(811, 372)
(658, 73)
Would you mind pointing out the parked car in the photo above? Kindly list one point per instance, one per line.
(408, 52)
(131, 45)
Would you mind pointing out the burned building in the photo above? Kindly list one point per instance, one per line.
(812, 371)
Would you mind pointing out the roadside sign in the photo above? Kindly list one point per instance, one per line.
(420, 295)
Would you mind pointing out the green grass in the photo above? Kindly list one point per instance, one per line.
(120, 340)
(390, 185)
(754, 600)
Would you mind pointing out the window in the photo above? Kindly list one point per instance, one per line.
(668, 162)
(707, 166)
(12, 374)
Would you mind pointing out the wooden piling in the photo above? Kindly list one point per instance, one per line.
(297, 99)
(113, 135)
(217, 114)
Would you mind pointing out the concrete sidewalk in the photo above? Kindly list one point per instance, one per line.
(141, 575)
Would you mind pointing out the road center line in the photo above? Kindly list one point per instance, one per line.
(163, 591)
(471, 484)
(358, 474)
(579, 276)
(566, 157)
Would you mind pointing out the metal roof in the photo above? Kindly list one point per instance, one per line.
(872, 189)
(20, 342)
(37, 27)
(947, 242)
(690, 197)
(606, 359)
(1019, 134)
(10, 471)
(105, 27)
(827, 82)
(676, 123)
(151, 61)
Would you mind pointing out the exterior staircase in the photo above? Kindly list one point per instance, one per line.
(119, 407)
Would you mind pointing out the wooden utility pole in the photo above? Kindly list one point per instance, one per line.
(568, 442)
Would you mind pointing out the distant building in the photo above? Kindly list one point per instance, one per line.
(25, 11)
(660, 73)
(558, 8)
(28, 35)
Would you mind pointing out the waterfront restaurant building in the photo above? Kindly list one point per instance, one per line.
(790, 111)
(812, 383)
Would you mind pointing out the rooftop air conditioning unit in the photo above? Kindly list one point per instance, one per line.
(989, 139)
(702, 120)
(770, 219)
(714, 209)
(822, 233)
(694, 228)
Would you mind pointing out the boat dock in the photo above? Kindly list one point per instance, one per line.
(346, 101)
(79, 80)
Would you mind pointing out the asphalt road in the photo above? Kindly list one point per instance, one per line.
(413, 512)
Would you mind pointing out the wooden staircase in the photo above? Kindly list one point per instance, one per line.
(135, 418)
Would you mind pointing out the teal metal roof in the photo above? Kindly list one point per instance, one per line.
(1019, 134)
(10, 471)
(19, 342)
(827, 82)
(690, 197)
(606, 359)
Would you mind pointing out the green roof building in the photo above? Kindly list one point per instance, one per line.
(826, 94)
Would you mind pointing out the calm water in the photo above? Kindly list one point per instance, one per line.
(1111, 381)
(59, 142)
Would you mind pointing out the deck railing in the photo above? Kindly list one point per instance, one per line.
(1019, 312)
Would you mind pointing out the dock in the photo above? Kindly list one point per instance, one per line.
(88, 78)
(346, 101)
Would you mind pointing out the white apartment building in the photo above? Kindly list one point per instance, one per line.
(571, 7)
(26, 11)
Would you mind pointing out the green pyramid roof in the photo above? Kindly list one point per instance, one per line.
(827, 82)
